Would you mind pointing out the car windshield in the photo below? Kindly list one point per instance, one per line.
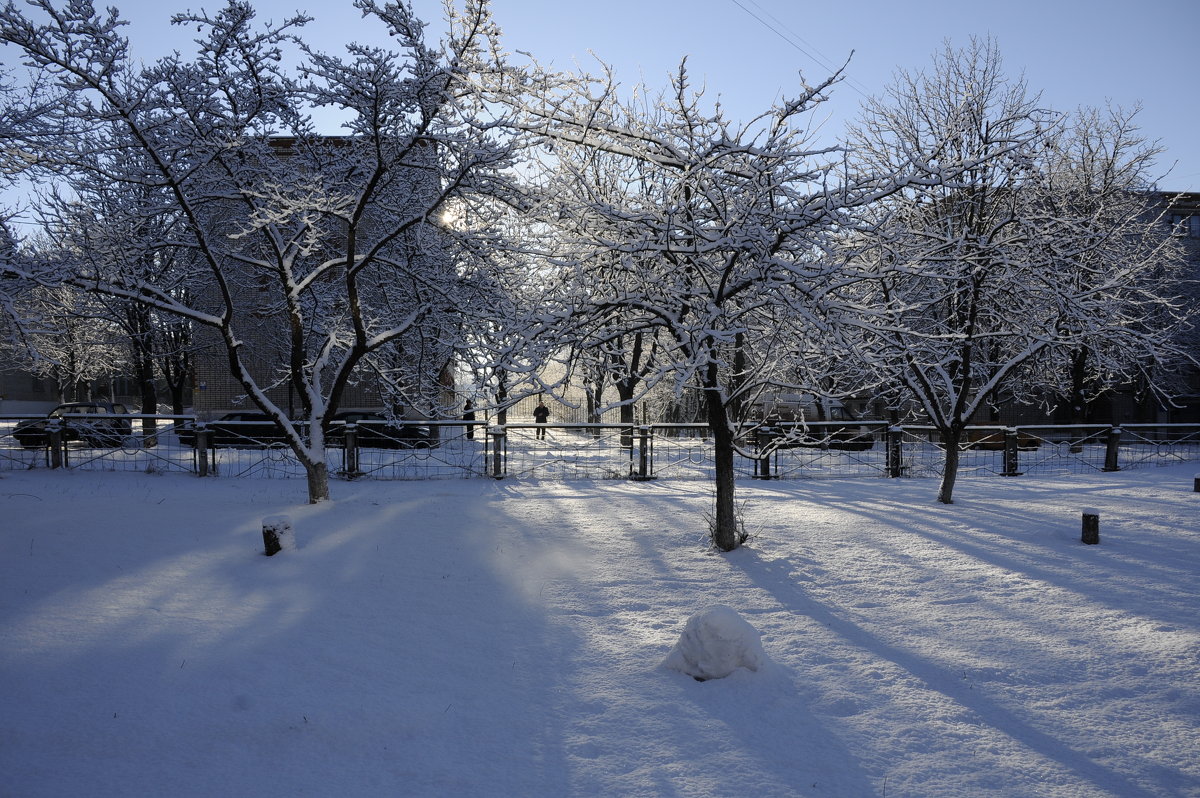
(59, 412)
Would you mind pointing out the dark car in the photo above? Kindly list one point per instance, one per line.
(814, 436)
(94, 423)
(242, 429)
(994, 440)
(375, 431)
(817, 435)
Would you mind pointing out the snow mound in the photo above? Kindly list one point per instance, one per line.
(714, 644)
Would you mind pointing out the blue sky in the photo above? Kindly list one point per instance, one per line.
(751, 51)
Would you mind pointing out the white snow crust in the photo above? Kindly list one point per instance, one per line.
(472, 639)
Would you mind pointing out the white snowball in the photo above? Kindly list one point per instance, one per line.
(714, 644)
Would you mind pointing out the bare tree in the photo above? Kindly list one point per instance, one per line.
(1021, 259)
(328, 246)
(1106, 232)
(716, 245)
(70, 339)
(18, 272)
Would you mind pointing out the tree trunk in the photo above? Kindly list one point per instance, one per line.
(950, 439)
(318, 481)
(177, 398)
(1077, 400)
(725, 533)
(628, 416)
(501, 398)
(139, 325)
(149, 399)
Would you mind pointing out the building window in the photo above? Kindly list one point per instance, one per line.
(1188, 226)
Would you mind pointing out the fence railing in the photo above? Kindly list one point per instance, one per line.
(454, 449)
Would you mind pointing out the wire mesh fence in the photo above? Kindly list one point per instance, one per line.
(1159, 444)
(562, 451)
(454, 450)
(1059, 450)
(126, 443)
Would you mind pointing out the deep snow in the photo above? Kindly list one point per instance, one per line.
(475, 638)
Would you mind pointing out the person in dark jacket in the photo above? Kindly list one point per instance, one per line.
(469, 417)
(541, 414)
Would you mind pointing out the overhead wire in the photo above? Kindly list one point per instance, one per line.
(795, 40)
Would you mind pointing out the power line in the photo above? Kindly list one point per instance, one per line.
(793, 39)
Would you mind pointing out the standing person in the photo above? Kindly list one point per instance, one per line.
(469, 417)
(541, 414)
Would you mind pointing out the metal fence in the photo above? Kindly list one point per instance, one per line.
(592, 451)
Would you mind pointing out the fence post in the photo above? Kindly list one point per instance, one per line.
(762, 466)
(203, 446)
(645, 454)
(895, 452)
(498, 443)
(1112, 450)
(54, 430)
(350, 452)
(1011, 458)
(54, 443)
(1091, 527)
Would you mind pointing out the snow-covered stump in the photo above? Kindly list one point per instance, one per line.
(278, 534)
(1091, 527)
(715, 643)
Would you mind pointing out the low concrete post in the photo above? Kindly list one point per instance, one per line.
(1091, 527)
(1196, 484)
(1111, 450)
(498, 436)
(278, 534)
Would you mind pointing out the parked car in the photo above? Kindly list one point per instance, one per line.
(376, 431)
(794, 420)
(993, 440)
(242, 429)
(247, 429)
(106, 424)
(816, 435)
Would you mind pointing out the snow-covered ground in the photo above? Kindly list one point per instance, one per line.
(475, 638)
